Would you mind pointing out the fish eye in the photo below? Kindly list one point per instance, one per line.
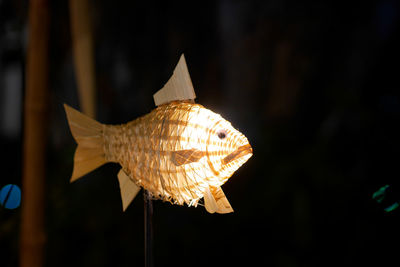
(221, 134)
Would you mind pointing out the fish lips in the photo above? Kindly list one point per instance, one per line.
(239, 152)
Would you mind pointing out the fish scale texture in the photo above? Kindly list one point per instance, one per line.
(144, 148)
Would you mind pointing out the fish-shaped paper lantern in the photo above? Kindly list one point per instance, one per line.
(180, 152)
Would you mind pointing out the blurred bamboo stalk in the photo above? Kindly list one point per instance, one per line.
(82, 43)
(33, 176)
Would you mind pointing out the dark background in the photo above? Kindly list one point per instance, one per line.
(313, 85)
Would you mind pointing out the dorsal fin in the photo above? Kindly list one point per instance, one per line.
(178, 87)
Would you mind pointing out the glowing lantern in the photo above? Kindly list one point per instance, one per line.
(180, 152)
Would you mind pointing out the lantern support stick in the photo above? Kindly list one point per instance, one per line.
(148, 229)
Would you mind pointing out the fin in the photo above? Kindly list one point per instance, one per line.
(88, 133)
(178, 87)
(209, 201)
(215, 200)
(186, 156)
(128, 189)
(223, 204)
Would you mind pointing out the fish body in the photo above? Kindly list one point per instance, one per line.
(180, 152)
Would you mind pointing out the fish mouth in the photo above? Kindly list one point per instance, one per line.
(238, 153)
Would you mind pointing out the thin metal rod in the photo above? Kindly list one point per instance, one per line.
(148, 229)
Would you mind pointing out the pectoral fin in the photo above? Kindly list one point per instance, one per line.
(128, 189)
(186, 156)
(215, 200)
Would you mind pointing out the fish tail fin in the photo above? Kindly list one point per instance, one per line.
(88, 134)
